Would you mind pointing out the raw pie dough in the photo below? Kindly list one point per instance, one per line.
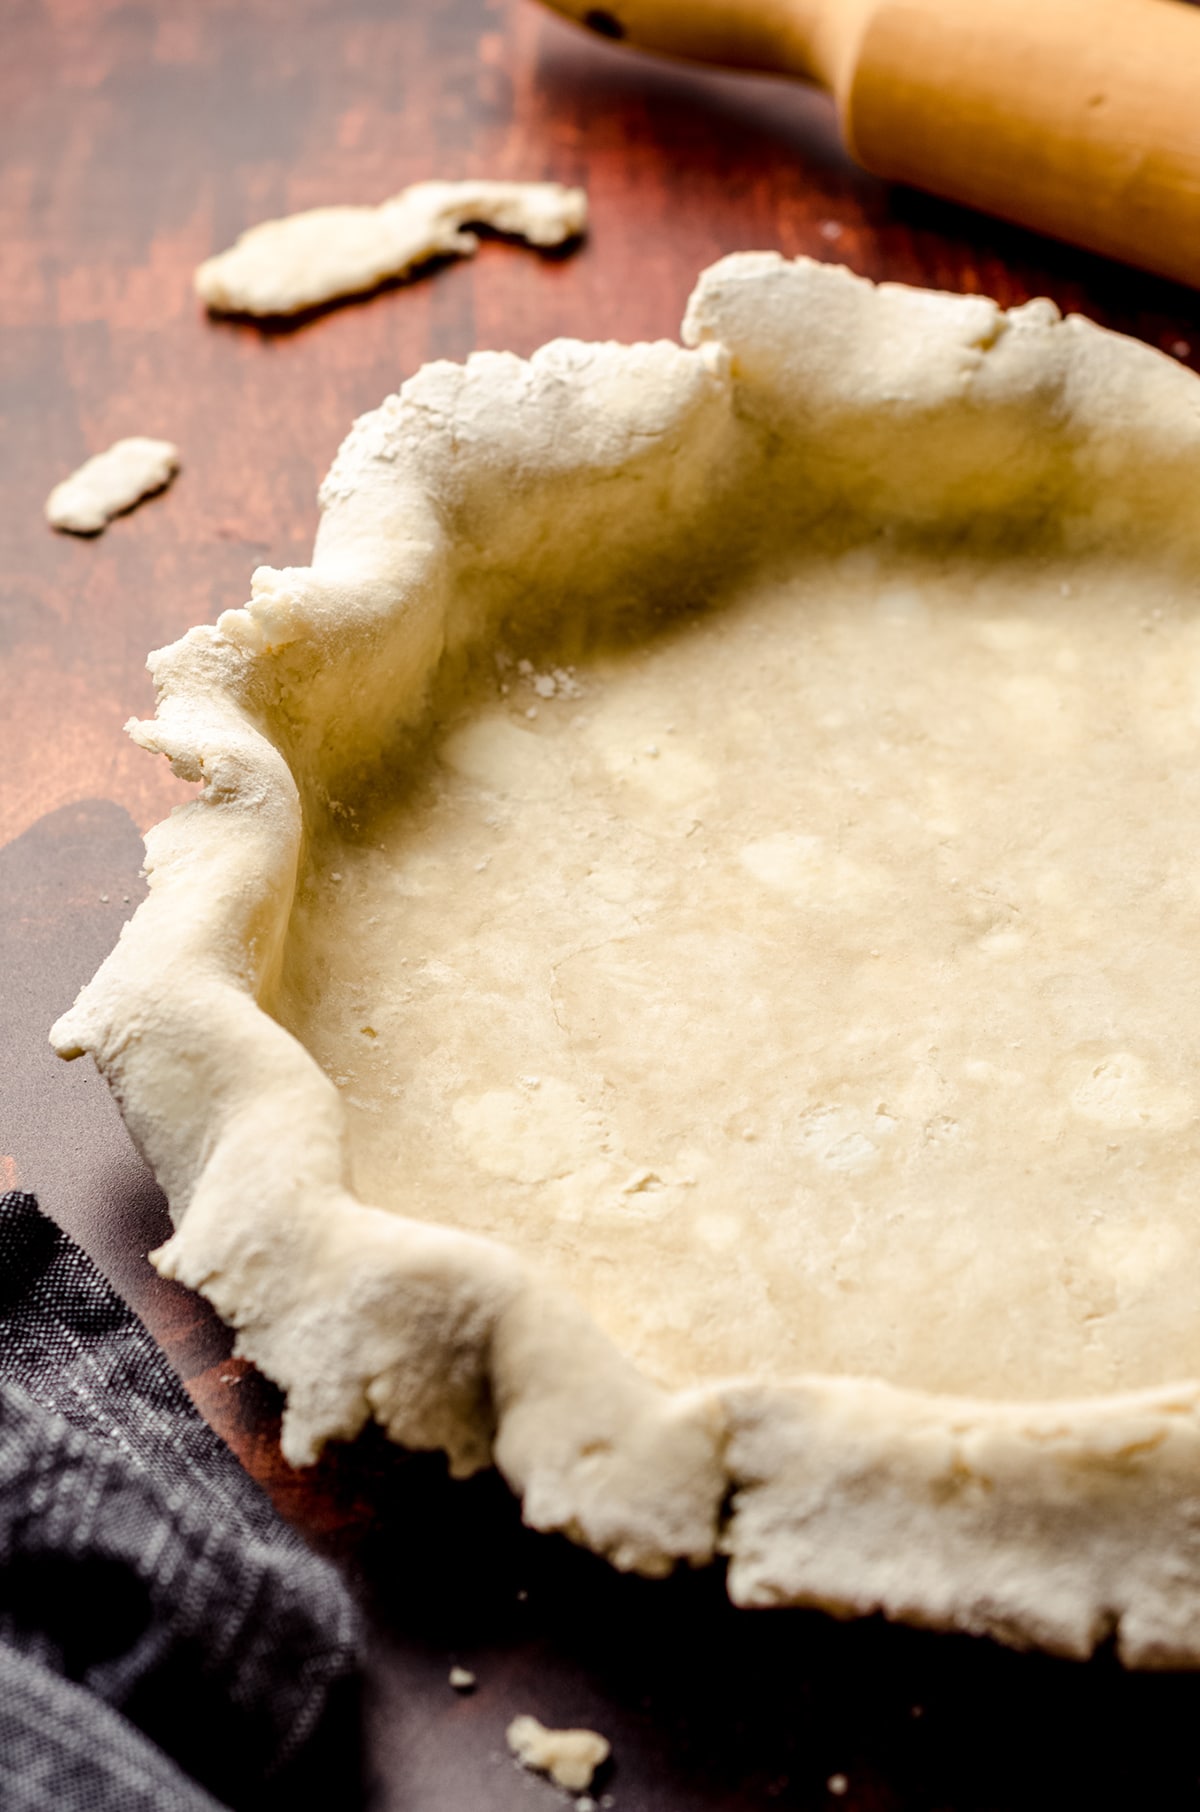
(110, 483)
(801, 989)
(282, 266)
(720, 819)
(569, 1757)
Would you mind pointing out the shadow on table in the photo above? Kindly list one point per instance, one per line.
(707, 1706)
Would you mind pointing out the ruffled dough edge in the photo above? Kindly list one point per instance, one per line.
(1056, 1524)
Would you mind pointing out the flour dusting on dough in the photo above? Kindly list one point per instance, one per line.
(109, 483)
(298, 262)
(569, 1757)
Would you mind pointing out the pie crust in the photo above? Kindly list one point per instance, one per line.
(719, 815)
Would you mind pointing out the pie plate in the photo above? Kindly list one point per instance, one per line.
(680, 978)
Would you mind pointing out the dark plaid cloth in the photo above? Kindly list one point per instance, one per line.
(152, 1603)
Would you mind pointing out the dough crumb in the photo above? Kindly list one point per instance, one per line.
(303, 260)
(569, 1757)
(110, 483)
(462, 1679)
(837, 1785)
(558, 682)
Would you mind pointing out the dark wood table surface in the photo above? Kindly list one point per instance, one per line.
(137, 137)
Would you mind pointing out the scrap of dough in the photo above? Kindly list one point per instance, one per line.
(462, 1679)
(569, 1757)
(306, 259)
(111, 482)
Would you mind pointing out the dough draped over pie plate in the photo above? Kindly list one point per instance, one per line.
(584, 478)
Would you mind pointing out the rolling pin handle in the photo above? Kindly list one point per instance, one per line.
(1079, 118)
(785, 36)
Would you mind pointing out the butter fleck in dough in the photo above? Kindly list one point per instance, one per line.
(282, 266)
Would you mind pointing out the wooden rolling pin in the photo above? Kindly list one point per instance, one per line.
(1080, 118)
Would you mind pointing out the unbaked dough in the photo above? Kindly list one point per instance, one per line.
(282, 266)
(569, 1757)
(110, 483)
(678, 979)
(801, 988)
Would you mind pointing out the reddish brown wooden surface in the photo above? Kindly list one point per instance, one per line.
(138, 136)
